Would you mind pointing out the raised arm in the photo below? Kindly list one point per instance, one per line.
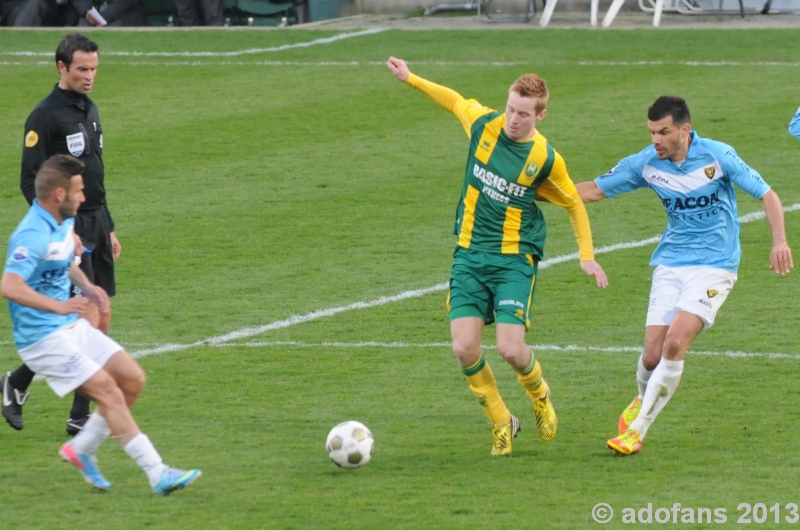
(466, 110)
(446, 98)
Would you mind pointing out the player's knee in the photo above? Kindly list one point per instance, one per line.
(466, 352)
(651, 357)
(134, 382)
(674, 347)
(106, 392)
(513, 353)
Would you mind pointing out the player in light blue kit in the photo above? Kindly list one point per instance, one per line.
(66, 350)
(794, 125)
(698, 256)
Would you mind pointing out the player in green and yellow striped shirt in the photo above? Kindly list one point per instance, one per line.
(501, 235)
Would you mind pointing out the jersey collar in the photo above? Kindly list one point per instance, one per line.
(44, 214)
(70, 97)
(694, 144)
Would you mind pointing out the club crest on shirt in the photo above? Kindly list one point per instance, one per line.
(76, 143)
(31, 139)
(712, 293)
(710, 171)
(531, 169)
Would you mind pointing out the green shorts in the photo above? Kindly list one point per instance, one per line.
(492, 286)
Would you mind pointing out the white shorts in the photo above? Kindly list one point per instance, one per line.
(67, 358)
(700, 291)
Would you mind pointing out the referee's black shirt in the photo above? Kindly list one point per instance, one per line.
(66, 122)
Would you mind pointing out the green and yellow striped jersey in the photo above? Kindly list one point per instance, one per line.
(497, 211)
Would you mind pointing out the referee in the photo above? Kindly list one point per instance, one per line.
(67, 122)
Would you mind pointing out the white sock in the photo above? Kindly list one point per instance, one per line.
(660, 389)
(92, 435)
(642, 376)
(142, 451)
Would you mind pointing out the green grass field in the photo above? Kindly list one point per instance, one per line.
(285, 213)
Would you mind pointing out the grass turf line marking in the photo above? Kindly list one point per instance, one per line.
(343, 36)
(251, 51)
(424, 63)
(537, 347)
(320, 313)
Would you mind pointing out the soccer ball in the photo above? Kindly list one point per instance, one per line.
(350, 444)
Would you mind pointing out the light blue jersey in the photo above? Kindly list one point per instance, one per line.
(698, 195)
(794, 125)
(41, 252)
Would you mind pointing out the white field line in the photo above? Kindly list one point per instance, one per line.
(446, 345)
(250, 51)
(384, 300)
(538, 347)
(328, 40)
(464, 63)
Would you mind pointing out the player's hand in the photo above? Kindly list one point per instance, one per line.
(592, 268)
(780, 259)
(116, 248)
(99, 297)
(78, 245)
(76, 304)
(399, 68)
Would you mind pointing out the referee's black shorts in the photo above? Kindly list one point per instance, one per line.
(97, 261)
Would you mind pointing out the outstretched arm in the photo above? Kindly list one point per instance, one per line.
(780, 257)
(447, 98)
(590, 192)
(466, 110)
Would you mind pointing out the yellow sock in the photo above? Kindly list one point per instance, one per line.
(531, 378)
(484, 386)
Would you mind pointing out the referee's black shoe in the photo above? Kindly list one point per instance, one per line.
(12, 402)
(74, 426)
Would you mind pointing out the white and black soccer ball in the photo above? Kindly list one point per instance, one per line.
(350, 444)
